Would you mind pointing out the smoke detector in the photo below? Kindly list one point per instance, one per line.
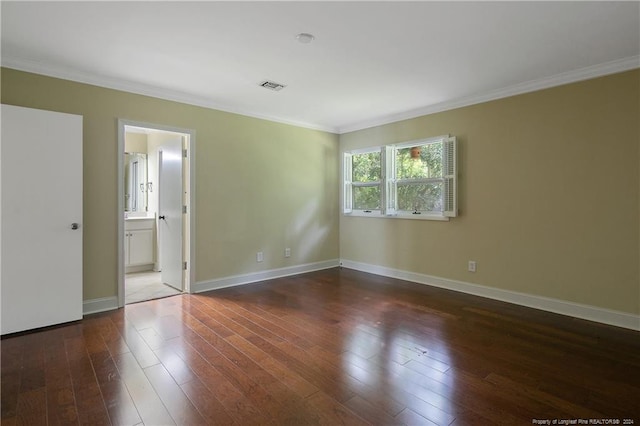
(272, 85)
(305, 38)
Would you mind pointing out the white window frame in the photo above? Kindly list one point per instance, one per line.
(349, 184)
(389, 181)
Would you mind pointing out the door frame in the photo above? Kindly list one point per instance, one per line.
(189, 236)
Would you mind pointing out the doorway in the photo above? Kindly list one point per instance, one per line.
(155, 222)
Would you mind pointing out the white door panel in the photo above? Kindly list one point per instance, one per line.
(41, 178)
(170, 212)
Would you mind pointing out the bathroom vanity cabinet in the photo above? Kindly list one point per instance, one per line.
(139, 237)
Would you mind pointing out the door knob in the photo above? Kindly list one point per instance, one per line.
(74, 225)
(161, 217)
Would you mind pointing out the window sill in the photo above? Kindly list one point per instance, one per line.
(376, 214)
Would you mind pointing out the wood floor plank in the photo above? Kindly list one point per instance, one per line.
(294, 329)
(309, 372)
(207, 404)
(329, 347)
(61, 404)
(88, 398)
(296, 383)
(32, 376)
(368, 385)
(137, 345)
(498, 402)
(177, 403)
(570, 409)
(225, 326)
(292, 406)
(92, 335)
(120, 405)
(374, 414)
(178, 369)
(32, 407)
(472, 418)
(333, 412)
(410, 417)
(152, 338)
(427, 390)
(148, 404)
(9, 391)
(111, 336)
(285, 330)
(10, 376)
(168, 325)
(236, 370)
(239, 406)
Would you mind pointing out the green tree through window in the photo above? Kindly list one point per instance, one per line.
(415, 179)
(419, 178)
(366, 169)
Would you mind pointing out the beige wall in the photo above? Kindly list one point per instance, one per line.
(260, 185)
(549, 196)
(135, 142)
(549, 190)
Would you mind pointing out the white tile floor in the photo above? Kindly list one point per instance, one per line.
(142, 286)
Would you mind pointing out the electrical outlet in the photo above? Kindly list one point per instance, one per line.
(472, 266)
(287, 252)
(259, 256)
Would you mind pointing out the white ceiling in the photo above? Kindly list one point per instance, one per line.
(371, 62)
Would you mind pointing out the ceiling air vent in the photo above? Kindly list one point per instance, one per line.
(271, 85)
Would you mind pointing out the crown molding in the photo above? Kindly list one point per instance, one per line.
(586, 73)
(145, 90)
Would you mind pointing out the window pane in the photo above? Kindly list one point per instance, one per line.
(366, 198)
(425, 197)
(424, 161)
(366, 167)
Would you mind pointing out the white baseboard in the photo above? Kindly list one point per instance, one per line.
(93, 306)
(139, 268)
(587, 312)
(235, 280)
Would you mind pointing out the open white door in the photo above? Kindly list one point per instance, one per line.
(170, 212)
(41, 230)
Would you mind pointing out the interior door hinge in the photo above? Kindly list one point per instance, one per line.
(184, 266)
(184, 153)
(184, 209)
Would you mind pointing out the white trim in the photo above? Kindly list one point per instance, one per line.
(607, 68)
(377, 214)
(139, 268)
(36, 67)
(401, 214)
(587, 312)
(93, 306)
(120, 215)
(365, 150)
(594, 71)
(420, 142)
(235, 280)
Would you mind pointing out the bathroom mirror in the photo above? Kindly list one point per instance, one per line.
(136, 185)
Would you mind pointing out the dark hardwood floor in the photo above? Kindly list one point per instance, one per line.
(330, 347)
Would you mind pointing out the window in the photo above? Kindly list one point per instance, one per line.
(414, 179)
(363, 179)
